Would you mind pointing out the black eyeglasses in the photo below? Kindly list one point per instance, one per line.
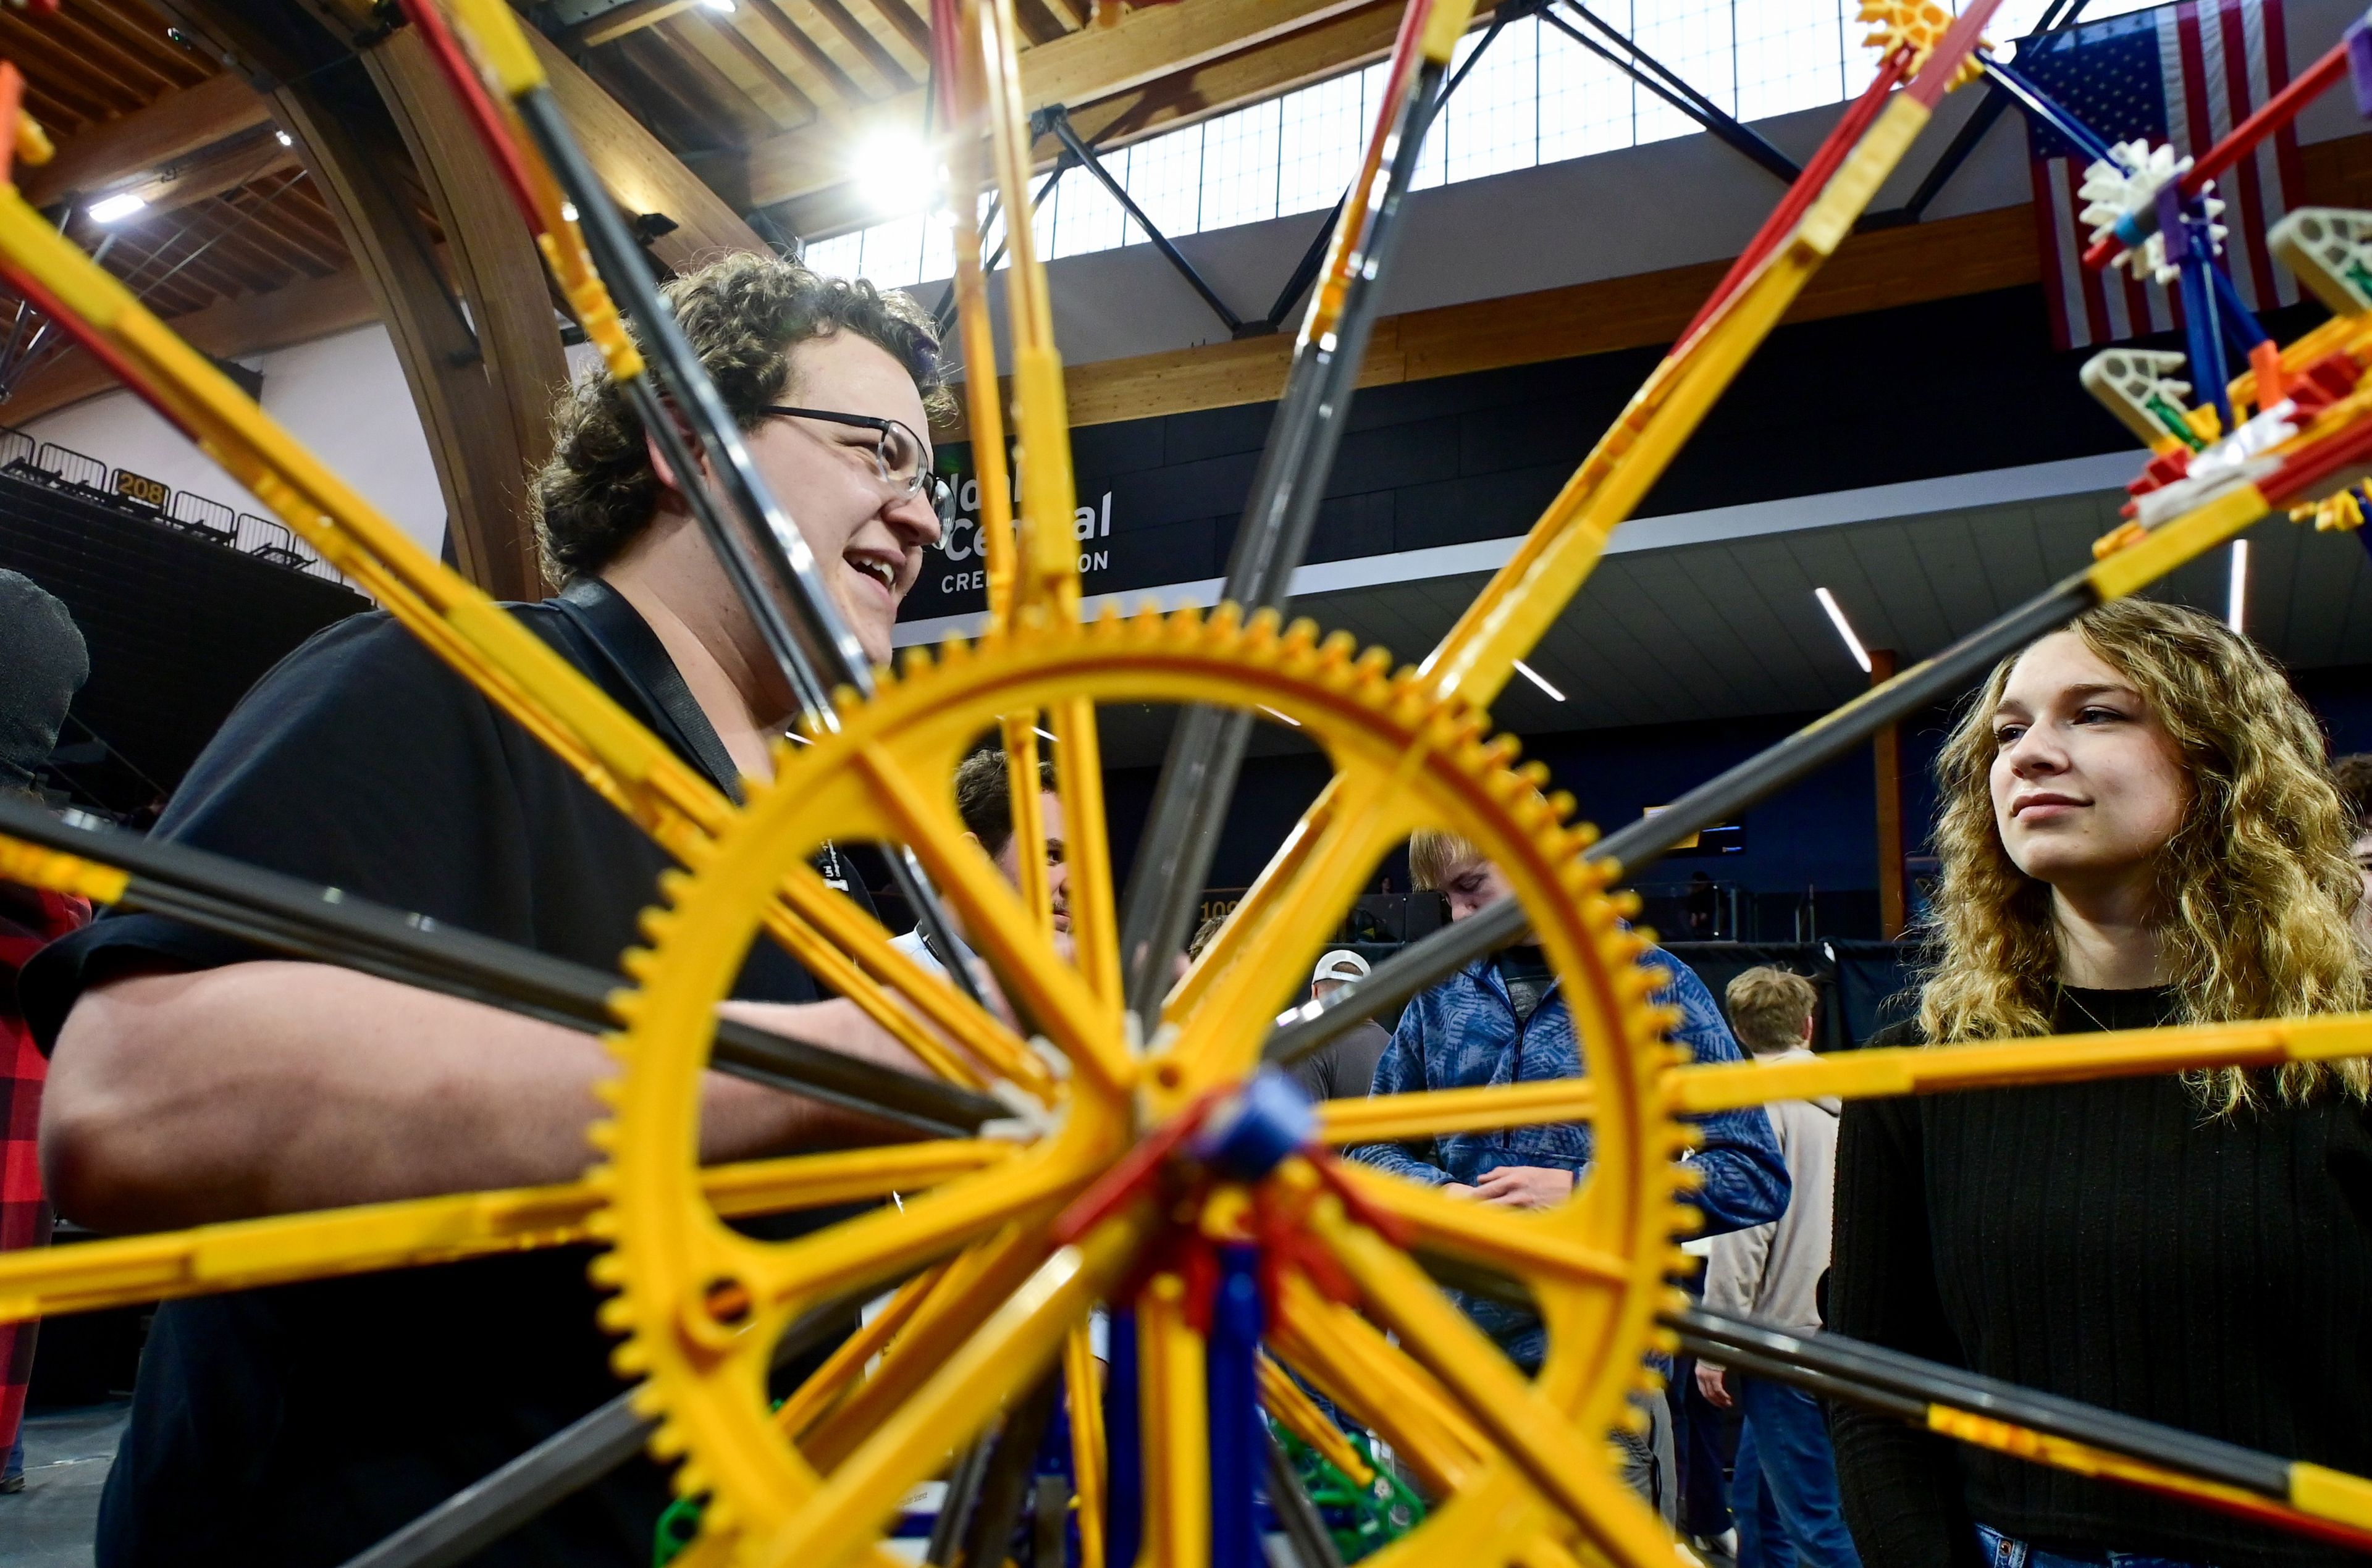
(897, 457)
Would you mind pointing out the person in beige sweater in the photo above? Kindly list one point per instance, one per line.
(1783, 1486)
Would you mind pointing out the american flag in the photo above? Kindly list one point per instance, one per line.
(2184, 73)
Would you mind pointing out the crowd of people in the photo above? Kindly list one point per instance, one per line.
(2139, 827)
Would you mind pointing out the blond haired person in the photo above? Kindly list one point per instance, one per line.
(1502, 1020)
(2136, 828)
(1783, 1492)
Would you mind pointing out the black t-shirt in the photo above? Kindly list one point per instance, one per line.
(298, 1425)
(2114, 1243)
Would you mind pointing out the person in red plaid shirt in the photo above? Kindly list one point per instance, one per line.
(46, 664)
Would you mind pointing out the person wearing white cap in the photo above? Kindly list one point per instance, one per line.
(1345, 1068)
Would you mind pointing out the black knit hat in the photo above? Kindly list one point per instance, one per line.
(43, 664)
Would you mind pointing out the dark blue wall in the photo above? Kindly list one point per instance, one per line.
(1479, 456)
(1818, 833)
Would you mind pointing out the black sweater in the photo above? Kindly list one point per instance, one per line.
(2107, 1242)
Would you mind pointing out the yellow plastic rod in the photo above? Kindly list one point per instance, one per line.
(243, 1254)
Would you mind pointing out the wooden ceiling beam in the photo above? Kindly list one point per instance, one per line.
(861, 38)
(908, 26)
(803, 107)
(174, 126)
(141, 30)
(242, 161)
(633, 16)
(124, 67)
(1077, 69)
(845, 93)
(638, 169)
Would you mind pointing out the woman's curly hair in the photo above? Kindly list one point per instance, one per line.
(2253, 890)
(743, 315)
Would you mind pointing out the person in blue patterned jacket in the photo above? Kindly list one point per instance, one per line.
(1500, 1020)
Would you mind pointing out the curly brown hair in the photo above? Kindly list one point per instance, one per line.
(2253, 890)
(743, 314)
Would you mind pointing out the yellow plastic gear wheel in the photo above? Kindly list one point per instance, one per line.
(1921, 24)
(701, 1306)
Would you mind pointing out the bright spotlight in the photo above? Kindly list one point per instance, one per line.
(107, 209)
(897, 173)
(722, 7)
(285, 139)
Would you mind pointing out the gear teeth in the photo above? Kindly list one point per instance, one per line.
(1626, 903)
(1236, 658)
(668, 1444)
(638, 963)
(603, 1135)
(916, 661)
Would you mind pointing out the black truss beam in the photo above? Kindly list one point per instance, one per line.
(1645, 69)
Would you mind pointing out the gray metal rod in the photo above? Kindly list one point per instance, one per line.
(1303, 1528)
(329, 925)
(1198, 776)
(765, 556)
(1313, 1025)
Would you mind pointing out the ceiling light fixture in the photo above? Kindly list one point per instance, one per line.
(722, 7)
(2236, 607)
(107, 209)
(285, 139)
(1529, 673)
(897, 172)
(1844, 627)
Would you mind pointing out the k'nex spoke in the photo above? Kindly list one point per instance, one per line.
(1198, 776)
(329, 925)
(1314, 1024)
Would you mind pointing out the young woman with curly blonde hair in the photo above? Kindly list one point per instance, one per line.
(2138, 828)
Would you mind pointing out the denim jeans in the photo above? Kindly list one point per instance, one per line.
(1783, 1488)
(2000, 1551)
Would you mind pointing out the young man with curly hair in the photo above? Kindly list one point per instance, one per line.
(197, 1079)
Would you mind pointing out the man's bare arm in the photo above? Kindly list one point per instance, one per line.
(271, 1088)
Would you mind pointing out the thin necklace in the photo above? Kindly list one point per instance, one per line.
(2088, 1012)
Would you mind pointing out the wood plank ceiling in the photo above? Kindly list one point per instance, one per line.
(233, 218)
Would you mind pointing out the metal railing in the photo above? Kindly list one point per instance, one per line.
(199, 516)
(69, 467)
